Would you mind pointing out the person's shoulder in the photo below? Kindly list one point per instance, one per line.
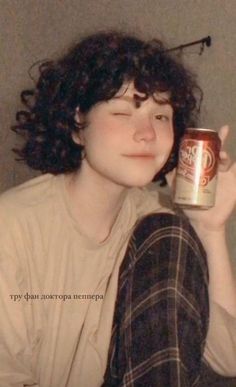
(28, 194)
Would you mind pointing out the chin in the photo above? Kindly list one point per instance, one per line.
(139, 182)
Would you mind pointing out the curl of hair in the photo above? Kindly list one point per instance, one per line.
(92, 71)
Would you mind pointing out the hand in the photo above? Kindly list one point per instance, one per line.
(214, 219)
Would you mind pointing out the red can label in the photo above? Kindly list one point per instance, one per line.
(197, 156)
(197, 168)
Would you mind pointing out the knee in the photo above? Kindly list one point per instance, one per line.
(166, 244)
(165, 225)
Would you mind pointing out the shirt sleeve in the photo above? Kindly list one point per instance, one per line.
(16, 349)
(220, 349)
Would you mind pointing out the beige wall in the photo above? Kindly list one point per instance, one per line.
(32, 30)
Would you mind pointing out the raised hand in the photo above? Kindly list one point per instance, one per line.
(215, 218)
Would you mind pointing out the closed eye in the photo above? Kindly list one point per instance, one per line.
(121, 114)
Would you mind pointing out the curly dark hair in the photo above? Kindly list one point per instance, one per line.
(92, 71)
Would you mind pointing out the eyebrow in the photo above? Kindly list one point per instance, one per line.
(131, 100)
(137, 100)
(124, 98)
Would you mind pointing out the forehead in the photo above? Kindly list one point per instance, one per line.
(130, 91)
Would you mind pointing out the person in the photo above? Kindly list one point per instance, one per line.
(89, 245)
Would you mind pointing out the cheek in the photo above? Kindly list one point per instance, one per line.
(166, 141)
(99, 143)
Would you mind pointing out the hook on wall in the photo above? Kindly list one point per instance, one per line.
(207, 41)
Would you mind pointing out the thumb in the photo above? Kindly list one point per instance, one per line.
(223, 134)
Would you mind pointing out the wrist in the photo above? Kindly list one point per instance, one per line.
(208, 234)
(205, 228)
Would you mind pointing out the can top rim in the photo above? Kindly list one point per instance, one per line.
(201, 130)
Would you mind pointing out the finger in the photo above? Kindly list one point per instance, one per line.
(225, 161)
(223, 134)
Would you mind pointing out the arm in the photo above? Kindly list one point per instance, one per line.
(220, 350)
(16, 352)
(210, 226)
(222, 281)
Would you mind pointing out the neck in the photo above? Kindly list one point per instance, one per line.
(96, 204)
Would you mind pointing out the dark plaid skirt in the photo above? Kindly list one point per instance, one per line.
(161, 316)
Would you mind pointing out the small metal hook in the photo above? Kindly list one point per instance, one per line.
(201, 48)
(205, 41)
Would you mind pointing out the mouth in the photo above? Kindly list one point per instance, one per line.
(140, 155)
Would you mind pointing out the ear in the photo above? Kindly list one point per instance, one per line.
(78, 136)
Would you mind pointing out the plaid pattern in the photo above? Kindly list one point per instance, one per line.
(162, 310)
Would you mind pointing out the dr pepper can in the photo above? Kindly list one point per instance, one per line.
(197, 168)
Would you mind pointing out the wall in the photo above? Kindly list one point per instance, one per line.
(32, 30)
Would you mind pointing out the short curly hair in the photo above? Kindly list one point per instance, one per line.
(93, 71)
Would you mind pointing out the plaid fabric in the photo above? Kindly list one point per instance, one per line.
(162, 310)
(210, 379)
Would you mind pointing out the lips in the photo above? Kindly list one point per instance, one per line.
(144, 155)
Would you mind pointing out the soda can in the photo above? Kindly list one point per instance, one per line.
(197, 169)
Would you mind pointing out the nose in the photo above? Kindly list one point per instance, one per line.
(144, 131)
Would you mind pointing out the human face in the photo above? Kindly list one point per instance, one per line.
(126, 143)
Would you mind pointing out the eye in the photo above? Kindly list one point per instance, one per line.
(121, 114)
(162, 117)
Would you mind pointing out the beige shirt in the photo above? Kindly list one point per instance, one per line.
(57, 308)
